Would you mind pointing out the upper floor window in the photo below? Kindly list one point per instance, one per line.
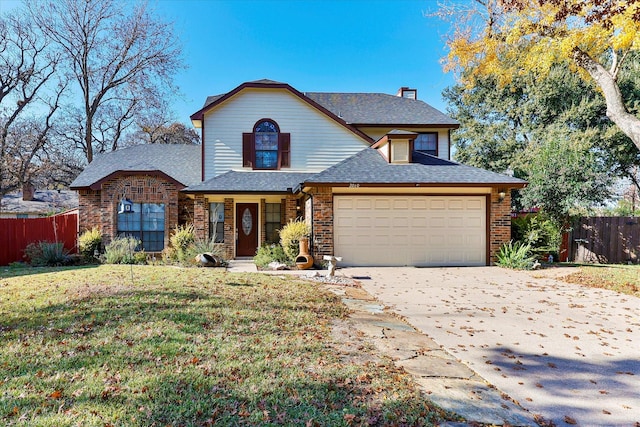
(266, 138)
(426, 143)
(266, 147)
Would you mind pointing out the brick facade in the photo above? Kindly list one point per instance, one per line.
(201, 217)
(322, 222)
(99, 208)
(499, 222)
(229, 231)
(185, 209)
(291, 208)
(89, 205)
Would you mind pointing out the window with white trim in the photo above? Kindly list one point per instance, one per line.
(216, 222)
(272, 222)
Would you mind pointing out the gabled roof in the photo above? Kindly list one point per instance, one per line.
(381, 109)
(179, 162)
(251, 182)
(368, 167)
(351, 109)
(213, 101)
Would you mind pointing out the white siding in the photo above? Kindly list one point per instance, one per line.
(316, 141)
(443, 144)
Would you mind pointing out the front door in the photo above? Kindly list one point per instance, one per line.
(246, 229)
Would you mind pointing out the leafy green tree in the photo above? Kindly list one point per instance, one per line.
(565, 175)
(502, 125)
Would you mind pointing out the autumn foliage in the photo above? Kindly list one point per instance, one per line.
(509, 38)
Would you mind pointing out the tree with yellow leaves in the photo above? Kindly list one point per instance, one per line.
(507, 38)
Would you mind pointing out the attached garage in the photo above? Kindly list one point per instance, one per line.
(410, 230)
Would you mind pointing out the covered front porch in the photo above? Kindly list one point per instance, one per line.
(245, 210)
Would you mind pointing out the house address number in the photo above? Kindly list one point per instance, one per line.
(354, 185)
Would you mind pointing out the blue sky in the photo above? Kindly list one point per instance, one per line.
(315, 46)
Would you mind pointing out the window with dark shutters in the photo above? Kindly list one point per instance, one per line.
(285, 150)
(266, 147)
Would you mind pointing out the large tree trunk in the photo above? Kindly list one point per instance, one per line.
(616, 110)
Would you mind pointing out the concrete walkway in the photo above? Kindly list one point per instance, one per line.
(568, 354)
(443, 379)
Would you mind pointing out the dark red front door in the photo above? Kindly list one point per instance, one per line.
(247, 229)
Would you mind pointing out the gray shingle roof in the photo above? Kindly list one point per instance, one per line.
(213, 98)
(380, 109)
(251, 182)
(367, 108)
(180, 162)
(369, 167)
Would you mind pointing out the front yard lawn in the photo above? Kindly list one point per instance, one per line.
(114, 346)
(619, 278)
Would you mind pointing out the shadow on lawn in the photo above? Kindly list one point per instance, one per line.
(195, 362)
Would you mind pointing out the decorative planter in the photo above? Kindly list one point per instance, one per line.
(304, 261)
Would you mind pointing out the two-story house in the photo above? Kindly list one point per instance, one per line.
(371, 173)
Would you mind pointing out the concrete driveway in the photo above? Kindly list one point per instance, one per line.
(567, 353)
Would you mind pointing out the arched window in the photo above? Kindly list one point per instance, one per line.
(266, 147)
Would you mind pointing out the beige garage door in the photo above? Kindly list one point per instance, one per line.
(410, 230)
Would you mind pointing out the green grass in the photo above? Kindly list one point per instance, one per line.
(184, 347)
(620, 278)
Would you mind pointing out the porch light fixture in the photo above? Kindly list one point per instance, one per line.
(125, 206)
(501, 195)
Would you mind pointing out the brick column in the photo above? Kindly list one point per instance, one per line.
(229, 232)
(201, 217)
(185, 209)
(322, 222)
(499, 222)
(290, 208)
(89, 208)
(262, 214)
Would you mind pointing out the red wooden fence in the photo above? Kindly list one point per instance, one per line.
(16, 234)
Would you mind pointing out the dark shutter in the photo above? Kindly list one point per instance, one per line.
(247, 150)
(284, 153)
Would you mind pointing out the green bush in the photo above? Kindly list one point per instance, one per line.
(290, 236)
(185, 246)
(200, 246)
(182, 238)
(515, 255)
(270, 253)
(47, 254)
(539, 231)
(122, 250)
(89, 243)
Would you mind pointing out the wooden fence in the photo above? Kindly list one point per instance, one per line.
(605, 240)
(17, 233)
